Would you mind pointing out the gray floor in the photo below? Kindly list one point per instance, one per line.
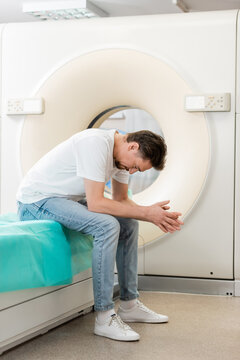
(200, 327)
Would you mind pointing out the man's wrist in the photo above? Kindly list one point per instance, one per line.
(144, 213)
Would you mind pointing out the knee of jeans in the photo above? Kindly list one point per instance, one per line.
(111, 224)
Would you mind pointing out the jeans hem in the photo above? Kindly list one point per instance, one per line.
(129, 297)
(103, 308)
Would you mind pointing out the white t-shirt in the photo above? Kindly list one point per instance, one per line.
(61, 172)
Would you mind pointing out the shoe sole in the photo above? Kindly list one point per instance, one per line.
(114, 338)
(144, 321)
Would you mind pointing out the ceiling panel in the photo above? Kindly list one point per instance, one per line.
(11, 10)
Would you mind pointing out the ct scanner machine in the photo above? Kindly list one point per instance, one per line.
(58, 78)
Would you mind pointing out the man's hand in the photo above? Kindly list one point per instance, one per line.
(167, 221)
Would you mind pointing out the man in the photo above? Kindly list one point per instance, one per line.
(67, 185)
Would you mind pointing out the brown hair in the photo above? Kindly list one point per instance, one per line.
(151, 146)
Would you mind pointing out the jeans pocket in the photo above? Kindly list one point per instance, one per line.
(40, 203)
(24, 213)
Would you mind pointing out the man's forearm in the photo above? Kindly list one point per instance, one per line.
(125, 208)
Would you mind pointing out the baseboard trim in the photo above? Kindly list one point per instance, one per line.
(237, 287)
(186, 285)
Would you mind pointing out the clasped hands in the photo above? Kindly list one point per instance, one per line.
(160, 216)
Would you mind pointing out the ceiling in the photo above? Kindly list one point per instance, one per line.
(11, 10)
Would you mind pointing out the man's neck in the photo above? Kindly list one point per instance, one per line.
(118, 141)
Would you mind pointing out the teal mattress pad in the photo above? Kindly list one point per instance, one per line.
(40, 253)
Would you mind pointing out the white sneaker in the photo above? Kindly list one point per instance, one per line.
(114, 328)
(140, 313)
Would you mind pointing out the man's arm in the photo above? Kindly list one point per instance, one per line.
(121, 206)
(120, 193)
(98, 203)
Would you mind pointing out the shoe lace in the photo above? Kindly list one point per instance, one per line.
(144, 308)
(117, 321)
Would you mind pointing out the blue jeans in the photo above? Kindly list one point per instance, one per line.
(115, 238)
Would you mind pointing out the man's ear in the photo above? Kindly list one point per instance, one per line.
(133, 146)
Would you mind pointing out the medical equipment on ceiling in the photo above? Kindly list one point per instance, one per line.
(168, 65)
